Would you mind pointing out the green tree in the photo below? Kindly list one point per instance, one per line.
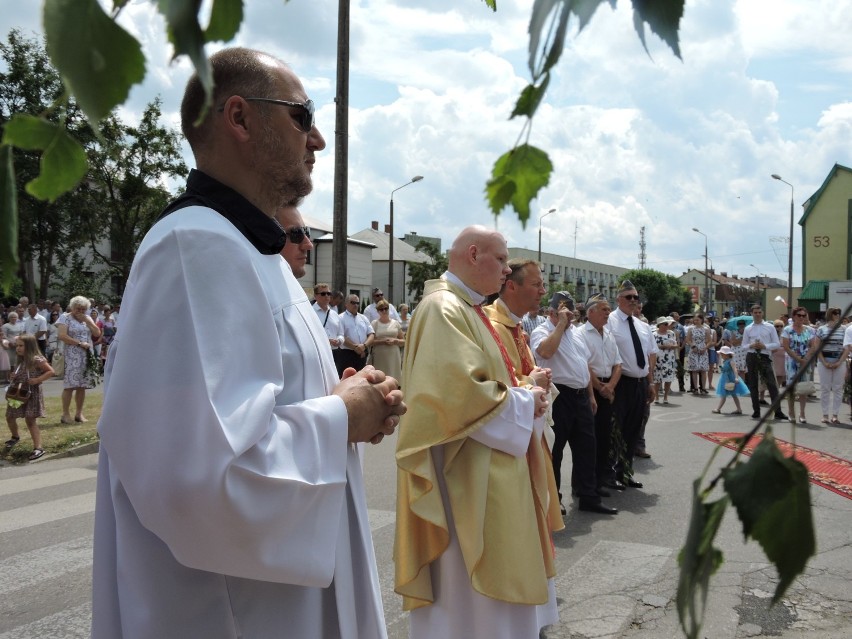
(421, 272)
(661, 293)
(46, 231)
(124, 188)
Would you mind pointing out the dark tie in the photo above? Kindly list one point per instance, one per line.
(637, 345)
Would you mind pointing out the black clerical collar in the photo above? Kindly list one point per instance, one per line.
(264, 232)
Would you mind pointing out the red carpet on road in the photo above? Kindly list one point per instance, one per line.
(828, 471)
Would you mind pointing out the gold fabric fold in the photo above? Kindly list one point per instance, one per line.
(455, 381)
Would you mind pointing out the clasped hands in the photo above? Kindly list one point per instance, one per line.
(373, 401)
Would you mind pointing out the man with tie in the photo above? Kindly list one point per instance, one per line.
(636, 388)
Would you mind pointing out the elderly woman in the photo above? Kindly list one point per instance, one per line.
(11, 330)
(666, 369)
(78, 332)
(831, 365)
(699, 338)
(389, 337)
(403, 317)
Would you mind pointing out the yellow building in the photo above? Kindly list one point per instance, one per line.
(826, 247)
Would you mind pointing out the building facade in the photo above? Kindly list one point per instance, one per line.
(585, 278)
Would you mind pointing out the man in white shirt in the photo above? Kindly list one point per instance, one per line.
(35, 324)
(230, 499)
(605, 369)
(328, 317)
(358, 336)
(759, 340)
(372, 314)
(557, 345)
(298, 244)
(636, 388)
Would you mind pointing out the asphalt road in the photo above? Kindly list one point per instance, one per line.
(617, 575)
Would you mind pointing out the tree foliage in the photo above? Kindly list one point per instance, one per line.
(421, 272)
(661, 294)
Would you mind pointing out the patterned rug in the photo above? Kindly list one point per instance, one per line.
(828, 471)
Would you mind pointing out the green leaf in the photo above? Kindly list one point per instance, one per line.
(516, 179)
(772, 496)
(530, 98)
(663, 16)
(8, 219)
(698, 560)
(492, 4)
(188, 39)
(63, 161)
(225, 20)
(539, 19)
(97, 59)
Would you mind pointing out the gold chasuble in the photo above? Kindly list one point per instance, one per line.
(455, 381)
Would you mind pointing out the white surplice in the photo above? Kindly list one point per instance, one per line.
(229, 503)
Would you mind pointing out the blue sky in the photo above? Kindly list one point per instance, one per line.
(765, 86)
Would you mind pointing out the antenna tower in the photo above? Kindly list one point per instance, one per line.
(642, 247)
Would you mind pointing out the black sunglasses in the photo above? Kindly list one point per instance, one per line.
(631, 297)
(297, 234)
(305, 118)
(324, 293)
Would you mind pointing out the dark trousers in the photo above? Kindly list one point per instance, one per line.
(631, 397)
(760, 367)
(574, 424)
(603, 437)
(680, 368)
(348, 359)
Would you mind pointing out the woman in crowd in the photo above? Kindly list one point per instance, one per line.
(831, 366)
(389, 337)
(403, 318)
(78, 332)
(11, 330)
(32, 371)
(797, 341)
(666, 370)
(699, 338)
(107, 326)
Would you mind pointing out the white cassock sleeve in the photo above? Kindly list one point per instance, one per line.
(511, 429)
(216, 418)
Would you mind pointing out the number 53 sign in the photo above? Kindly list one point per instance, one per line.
(821, 240)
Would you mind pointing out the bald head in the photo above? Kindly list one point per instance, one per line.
(479, 257)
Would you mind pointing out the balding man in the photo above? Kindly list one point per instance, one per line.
(473, 554)
(230, 500)
(298, 244)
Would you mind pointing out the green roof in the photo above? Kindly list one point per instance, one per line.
(815, 290)
(812, 200)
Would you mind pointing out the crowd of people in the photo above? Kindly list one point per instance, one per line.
(231, 499)
(39, 341)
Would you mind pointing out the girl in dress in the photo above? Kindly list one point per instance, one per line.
(33, 369)
(730, 384)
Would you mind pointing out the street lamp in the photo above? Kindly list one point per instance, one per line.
(775, 176)
(759, 296)
(706, 278)
(541, 217)
(416, 178)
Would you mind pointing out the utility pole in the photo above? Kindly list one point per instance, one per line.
(340, 224)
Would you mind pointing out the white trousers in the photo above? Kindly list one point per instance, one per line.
(831, 388)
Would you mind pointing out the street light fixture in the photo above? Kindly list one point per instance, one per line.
(775, 176)
(759, 296)
(390, 298)
(541, 217)
(706, 278)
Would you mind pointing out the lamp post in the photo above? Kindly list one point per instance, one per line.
(541, 217)
(775, 176)
(759, 296)
(706, 278)
(416, 178)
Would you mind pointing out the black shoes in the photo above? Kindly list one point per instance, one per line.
(596, 507)
(643, 454)
(615, 485)
(781, 416)
(633, 484)
(755, 414)
(600, 492)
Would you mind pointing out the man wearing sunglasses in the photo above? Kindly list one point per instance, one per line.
(638, 351)
(230, 499)
(329, 318)
(372, 314)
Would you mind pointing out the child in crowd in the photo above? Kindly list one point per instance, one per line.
(32, 369)
(730, 384)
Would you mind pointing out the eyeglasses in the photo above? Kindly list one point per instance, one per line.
(305, 119)
(635, 298)
(352, 302)
(801, 314)
(324, 293)
(297, 234)
(384, 310)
